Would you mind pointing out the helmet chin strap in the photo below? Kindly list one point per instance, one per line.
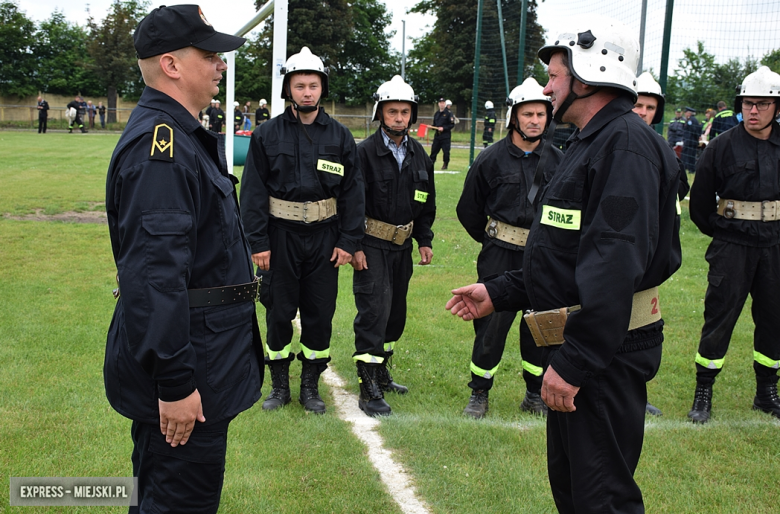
(304, 109)
(394, 132)
(533, 139)
(390, 131)
(572, 96)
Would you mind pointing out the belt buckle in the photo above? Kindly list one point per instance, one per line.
(764, 205)
(492, 229)
(729, 211)
(306, 212)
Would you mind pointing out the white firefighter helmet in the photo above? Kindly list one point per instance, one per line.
(396, 90)
(763, 82)
(602, 52)
(528, 91)
(263, 102)
(488, 105)
(236, 104)
(304, 61)
(447, 103)
(646, 85)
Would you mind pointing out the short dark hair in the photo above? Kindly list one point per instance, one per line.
(721, 105)
(564, 59)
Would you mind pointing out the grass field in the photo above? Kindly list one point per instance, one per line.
(55, 284)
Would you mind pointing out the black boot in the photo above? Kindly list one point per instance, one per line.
(371, 400)
(478, 404)
(533, 403)
(443, 168)
(280, 385)
(766, 397)
(310, 394)
(653, 410)
(70, 130)
(702, 404)
(83, 130)
(385, 379)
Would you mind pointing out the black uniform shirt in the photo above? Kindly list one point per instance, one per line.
(262, 115)
(737, 166)
(497, 185)
(398, 197)
(446, 120)
(43, 112)
(174, 225)
(282, 163)
(490, 118)
(605, 228)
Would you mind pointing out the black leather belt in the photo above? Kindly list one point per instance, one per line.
(224, 295)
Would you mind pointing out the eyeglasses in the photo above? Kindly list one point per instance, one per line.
(761, 106)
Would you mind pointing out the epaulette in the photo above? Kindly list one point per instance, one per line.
(162, 141)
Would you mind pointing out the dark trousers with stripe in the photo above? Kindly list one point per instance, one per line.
(303, 278)
(380, 297)
(441, 144)
(491, 331)
(187, 478)
(592, 453)
(736, 271)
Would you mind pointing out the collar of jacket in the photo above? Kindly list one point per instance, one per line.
(381, 147)
(321, 119)
(613, 110)
(774, 136)
(159, 101)
(518, 152)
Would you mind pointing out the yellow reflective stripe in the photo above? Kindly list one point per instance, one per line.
(330, 167)
(484, 373)
(534, 370)
(282, 354)
(765, 361)
(568, 219)
(709, 364)
(368, 359)
(389, 346)
(313, 354)
(679, 207)
(420, 196)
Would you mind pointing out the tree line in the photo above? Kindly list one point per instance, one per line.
(56, 56)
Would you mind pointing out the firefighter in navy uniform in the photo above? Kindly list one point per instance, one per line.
(691, 133)
(302, 202)
(400, 205)
(77, 121)
(602, 241)
(490, 124)
(674, 133)
(724, 120)
(494, 210)
(180, 354)
(735, 200)
(443, 122)
(43, 115)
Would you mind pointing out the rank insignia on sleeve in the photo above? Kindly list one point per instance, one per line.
(162, 143)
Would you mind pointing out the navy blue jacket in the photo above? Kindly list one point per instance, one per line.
(174, 224)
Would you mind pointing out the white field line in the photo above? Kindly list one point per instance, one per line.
(392, 474)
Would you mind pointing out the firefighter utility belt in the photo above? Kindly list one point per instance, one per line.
(547, 326)
(307, 212)
(768, 210)
(396, 234)
(506, 232)
(223, 295)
